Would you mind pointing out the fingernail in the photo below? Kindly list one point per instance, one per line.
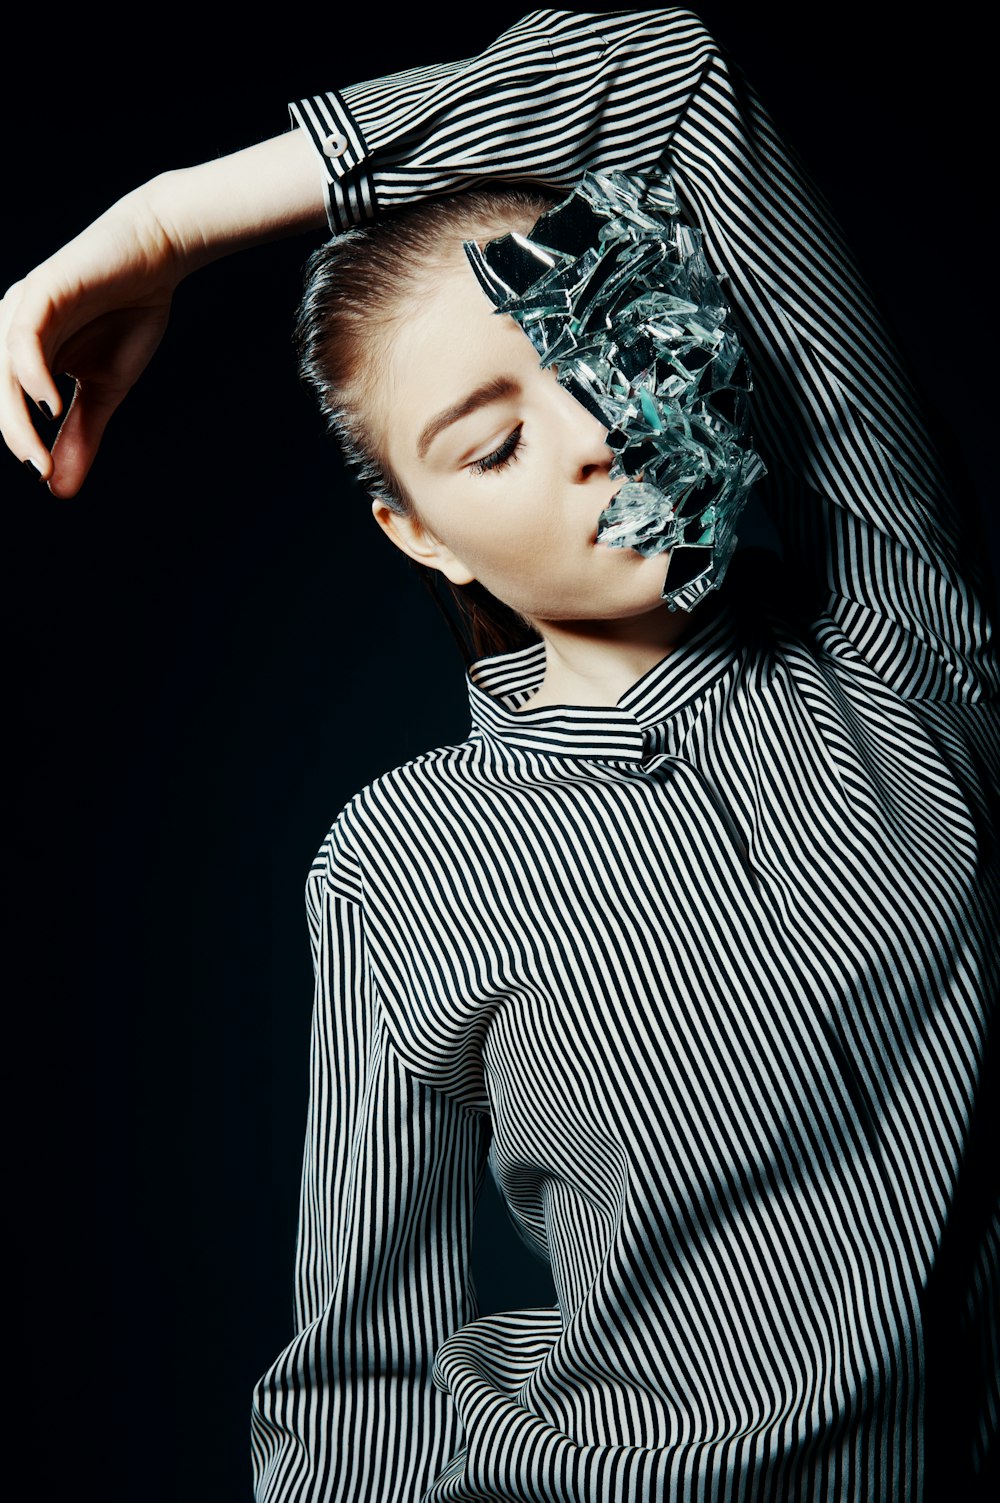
(30, 465)
(45, 410)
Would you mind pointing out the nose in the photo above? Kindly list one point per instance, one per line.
(586, 436)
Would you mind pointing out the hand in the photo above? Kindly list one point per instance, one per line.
(95, 310)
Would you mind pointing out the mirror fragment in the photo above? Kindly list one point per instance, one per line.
(613, 289)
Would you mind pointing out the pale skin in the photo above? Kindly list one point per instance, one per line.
(509, 492)
(98, 308)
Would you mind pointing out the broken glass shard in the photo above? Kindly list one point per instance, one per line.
(614, 290)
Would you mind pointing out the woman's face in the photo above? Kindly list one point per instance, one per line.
(507, 472)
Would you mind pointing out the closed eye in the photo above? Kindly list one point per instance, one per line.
(502, 456)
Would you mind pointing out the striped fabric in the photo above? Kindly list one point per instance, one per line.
(705, 976)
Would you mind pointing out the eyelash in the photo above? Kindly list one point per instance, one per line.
(502, 456)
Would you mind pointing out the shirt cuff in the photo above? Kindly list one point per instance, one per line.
(340, 145)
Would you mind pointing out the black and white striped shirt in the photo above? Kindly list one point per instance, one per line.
(707, 974)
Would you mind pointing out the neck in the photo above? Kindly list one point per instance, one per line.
(594, 662)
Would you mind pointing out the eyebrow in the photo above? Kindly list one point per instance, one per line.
(490, 391)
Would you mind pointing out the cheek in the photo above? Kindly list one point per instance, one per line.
(482, 515)
(503, 561)
(520, 539)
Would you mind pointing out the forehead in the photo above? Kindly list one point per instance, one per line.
(445, 342)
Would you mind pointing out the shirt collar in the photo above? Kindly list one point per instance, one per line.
(636, 727)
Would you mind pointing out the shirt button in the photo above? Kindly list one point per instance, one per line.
(335, 145)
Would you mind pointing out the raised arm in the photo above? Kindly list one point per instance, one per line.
(98, 307)
(855, 489)
(348, 1413)
(868, 522)
(868, 526)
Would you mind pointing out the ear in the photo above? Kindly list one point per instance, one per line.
(418, 542)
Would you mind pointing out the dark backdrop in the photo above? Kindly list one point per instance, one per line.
(212, 648)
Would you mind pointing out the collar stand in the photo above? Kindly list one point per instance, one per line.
(643, 723)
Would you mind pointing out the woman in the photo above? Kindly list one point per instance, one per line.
(780, 1115)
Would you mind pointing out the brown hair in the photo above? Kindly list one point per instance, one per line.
(358, 286)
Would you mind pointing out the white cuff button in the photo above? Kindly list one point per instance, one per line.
(335, 145)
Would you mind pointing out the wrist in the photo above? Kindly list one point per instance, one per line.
(153, 214)
(264, 192)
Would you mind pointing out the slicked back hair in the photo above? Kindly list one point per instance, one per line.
(359, 287)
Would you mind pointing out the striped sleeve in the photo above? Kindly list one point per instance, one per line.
(855, 488)
(555, 94)
(349, 1412)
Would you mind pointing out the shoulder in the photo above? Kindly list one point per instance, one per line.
(434, 780)
(406, 806)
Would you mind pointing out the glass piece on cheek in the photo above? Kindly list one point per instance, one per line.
(637, 353)
(615, 291)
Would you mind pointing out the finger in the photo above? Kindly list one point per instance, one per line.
(79, 438)
(18, 432)
(23, 366)
(107, 357)
(30, 368)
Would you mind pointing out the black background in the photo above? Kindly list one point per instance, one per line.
(211, 648)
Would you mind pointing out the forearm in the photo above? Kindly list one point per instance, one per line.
(555, 94)
(98, 306)
(251, 196)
